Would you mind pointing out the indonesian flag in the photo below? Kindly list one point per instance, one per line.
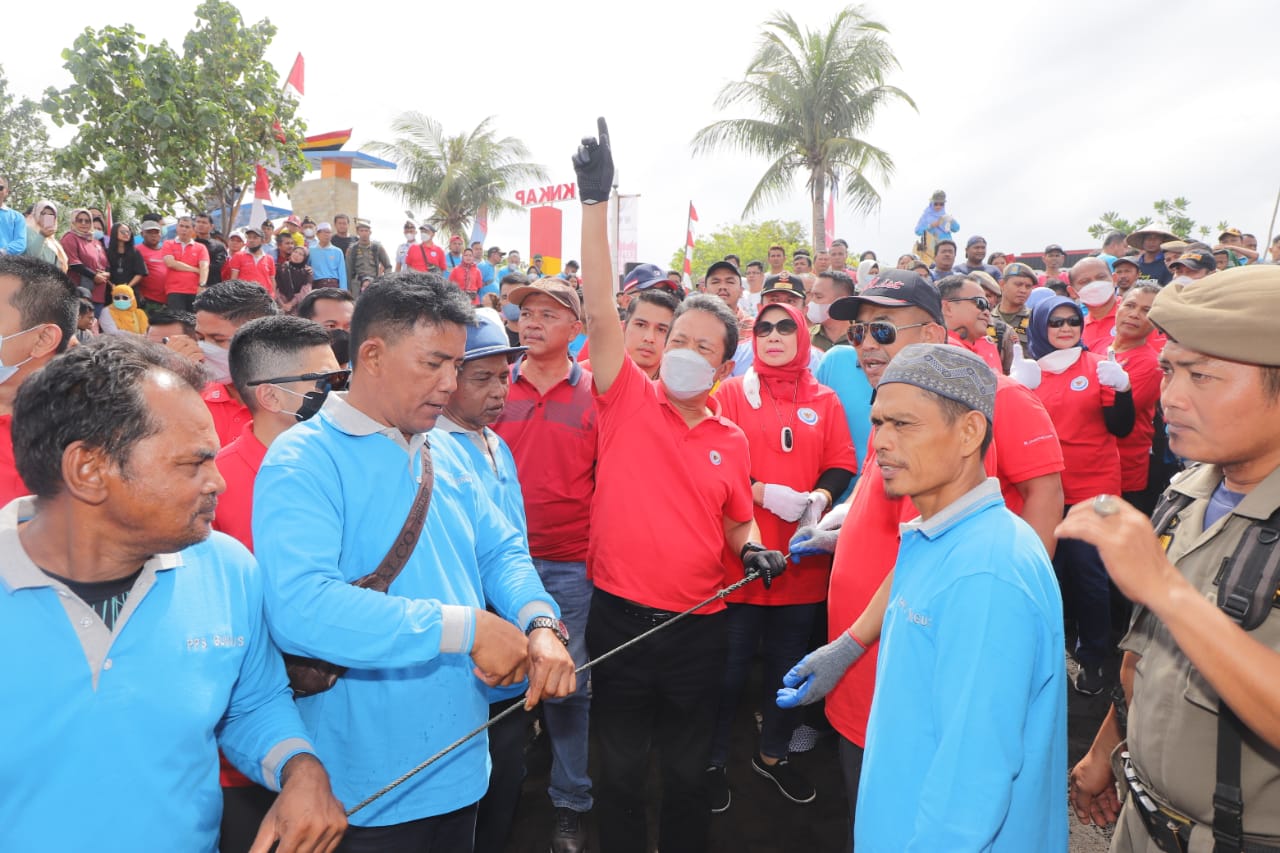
(295, 76)
(687, 277)
(480, 228)
(261, 195)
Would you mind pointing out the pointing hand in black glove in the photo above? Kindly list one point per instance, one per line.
(767, 564)
(594, 166)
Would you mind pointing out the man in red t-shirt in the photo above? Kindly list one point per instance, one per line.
(38, 310)
(426, 256)
(466, 276)
(1091, 278)
(188, 263)
(267, 357)
(253, 264)
(966, 312)
(152, 286)
(659, 441)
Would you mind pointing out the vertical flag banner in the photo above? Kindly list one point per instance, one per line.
(628, 231)
(295, 78)
(480, 228)
(261, 196)
(830, 229)
(687, 278)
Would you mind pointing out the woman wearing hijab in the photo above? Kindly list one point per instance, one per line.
(293, 280)
(123, 316)
(867, 270)
(801, 455)
(86, 258)
(127, 266)
(41, 244)
(1090, 399)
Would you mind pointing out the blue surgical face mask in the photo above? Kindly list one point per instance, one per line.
(122, 304)
(97, 234)
(7, 370)
(511, 312)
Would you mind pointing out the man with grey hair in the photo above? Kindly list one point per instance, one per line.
(974, 622)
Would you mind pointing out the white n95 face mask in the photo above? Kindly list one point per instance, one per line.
(686, 374)
(1097, 293)
(817, 313)
(216, 361)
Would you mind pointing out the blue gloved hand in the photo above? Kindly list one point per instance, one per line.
(811, 541)
(819, 671)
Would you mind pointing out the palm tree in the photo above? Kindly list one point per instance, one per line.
(815, 94)
(455, 176)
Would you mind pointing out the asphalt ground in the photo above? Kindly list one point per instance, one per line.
(760, 820)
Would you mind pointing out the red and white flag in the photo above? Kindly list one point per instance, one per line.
(296, 75)
(687, 278)
(261, 195)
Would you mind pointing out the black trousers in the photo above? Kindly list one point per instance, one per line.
(242, 812)
(497, 809)
(181, 301)
(661, 693)
(851, 770)
(447, 833)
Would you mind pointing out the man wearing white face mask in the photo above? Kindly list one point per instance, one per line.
(38, 311)
(1092, 281)
(220, 310)
(659, 438)
(828, 286)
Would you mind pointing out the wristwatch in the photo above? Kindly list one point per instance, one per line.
(555, 626)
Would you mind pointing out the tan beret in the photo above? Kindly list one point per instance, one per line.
(1230, 314)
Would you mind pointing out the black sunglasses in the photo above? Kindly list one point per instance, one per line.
(1059, 322)
(764, 328)
(882, 332)
(335, 380)
(981, 301)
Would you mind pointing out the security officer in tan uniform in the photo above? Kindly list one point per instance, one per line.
(1202, 659)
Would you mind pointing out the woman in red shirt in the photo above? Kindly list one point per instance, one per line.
(1090, 400)
(1133, 350)
(801, 455)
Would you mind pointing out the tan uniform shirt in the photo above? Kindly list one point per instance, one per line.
(1173, 719)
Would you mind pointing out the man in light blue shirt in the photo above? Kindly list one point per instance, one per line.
(970, 687)
(328, 263)
(13, 225)
(136, 640)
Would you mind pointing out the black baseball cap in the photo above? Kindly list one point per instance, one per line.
(784, 282)
(723, 265)
(892, 288)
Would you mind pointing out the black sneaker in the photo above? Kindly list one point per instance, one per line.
(790, 782)
(718, 789)
(1090, 680)
(569, 836)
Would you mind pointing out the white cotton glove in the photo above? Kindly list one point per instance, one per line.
(1111, 374)
(834, 520)
(1026, 371)
(818, 502)
(784, 502)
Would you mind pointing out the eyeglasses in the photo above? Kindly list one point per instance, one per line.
(335, 380)
(1059, 322)
(2, 189)
(981, 301)
(882, 332)
(785, 327)
(80, 220)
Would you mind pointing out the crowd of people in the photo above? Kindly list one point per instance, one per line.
(443, 485)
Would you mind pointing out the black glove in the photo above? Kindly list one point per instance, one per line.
(594, 166)
(767, 564)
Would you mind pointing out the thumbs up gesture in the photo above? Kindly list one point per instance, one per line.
(1111, 374)
(1025, 370)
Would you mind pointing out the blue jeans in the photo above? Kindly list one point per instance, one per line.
(567, 718)
(782, 634)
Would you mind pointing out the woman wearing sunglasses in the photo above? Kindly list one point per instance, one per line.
(1089, 397)
(801, 455)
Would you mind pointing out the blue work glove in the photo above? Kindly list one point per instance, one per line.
(593, 165)
(767, 564)
(820, 538)
(819, 671)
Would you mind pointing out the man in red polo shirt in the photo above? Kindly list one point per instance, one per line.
(252, 263)
(188, 263)
(426, 256)
(267, 358)
(666, 442)
(901, 308)
(38, 310)
(221, 309)
(549, 422)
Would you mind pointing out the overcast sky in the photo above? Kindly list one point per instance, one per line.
(1034, 117)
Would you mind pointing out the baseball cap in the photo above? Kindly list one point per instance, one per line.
(645, 276)
(1126, 259)
(1196, 260)
(557, 289)
(892, 288)
(1230, 232)
(427, 226)
(252, 229)
(784, 282)
(723, 265)
(1054, 247)
(1230, 314)
(488, 336)
(150, 225)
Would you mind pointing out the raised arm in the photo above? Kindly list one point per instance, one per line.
(594, 166)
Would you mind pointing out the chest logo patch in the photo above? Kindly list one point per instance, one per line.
(715, 457)
(1080, 383)
(807, 415)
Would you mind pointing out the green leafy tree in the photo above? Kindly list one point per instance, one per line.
(176, 126)
(455, 176)
(749, 241)
(26, 157)
(813, 95)
(1173, 213)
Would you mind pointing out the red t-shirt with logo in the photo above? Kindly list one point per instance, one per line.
(420, 257)
(1075, 399)
(192, 254)
(259, 270)
(152, 285)
(1098, 334)
(1143, 366)
(229, 414)
(1024, 439)
(663, 491)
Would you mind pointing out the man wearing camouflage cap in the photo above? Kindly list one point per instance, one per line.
(970, 689)
(1201, 672)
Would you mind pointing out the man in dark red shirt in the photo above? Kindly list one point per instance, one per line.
(152, 250)
(466, 275)
(282, 368)
(38, 311)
